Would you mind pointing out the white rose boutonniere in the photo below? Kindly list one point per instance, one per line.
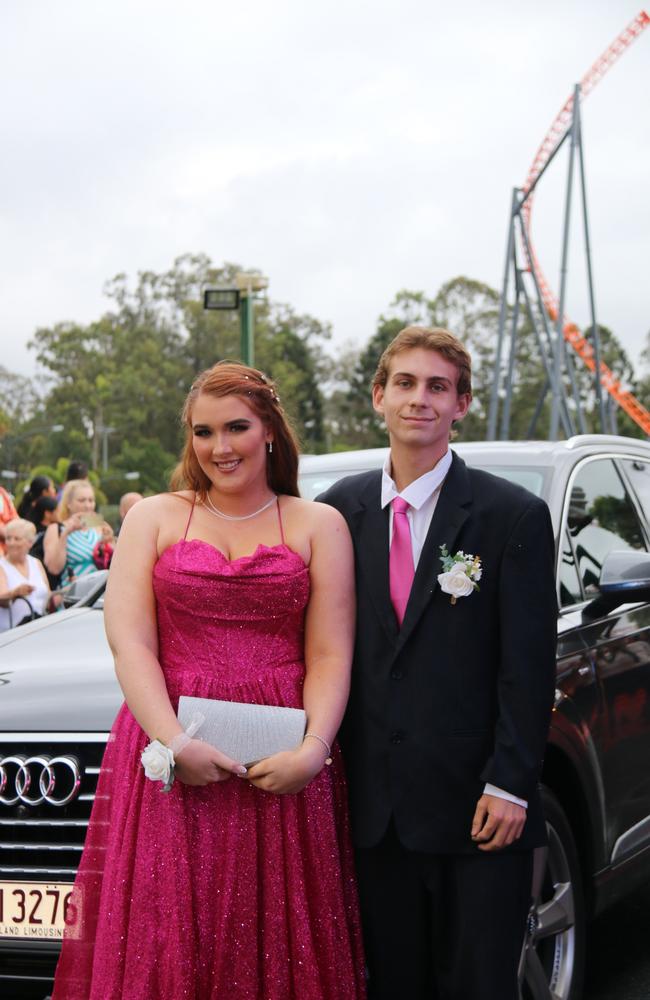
(158, 763)
(461, 573)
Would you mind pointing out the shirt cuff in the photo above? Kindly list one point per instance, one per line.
(500, 794)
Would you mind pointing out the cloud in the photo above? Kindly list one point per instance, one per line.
(347, 151)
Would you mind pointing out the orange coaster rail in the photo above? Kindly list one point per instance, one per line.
(555, 135)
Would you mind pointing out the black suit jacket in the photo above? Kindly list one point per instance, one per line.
(461, 695)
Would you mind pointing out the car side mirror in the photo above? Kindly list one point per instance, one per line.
(624, 579)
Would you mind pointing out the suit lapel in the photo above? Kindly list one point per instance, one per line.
(372, 554)
(452, 510)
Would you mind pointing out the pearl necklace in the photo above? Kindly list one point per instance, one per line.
(210, 507)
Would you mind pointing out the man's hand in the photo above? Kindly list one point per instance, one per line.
(497, 823)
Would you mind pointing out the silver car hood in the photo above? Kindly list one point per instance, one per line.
(61, 680)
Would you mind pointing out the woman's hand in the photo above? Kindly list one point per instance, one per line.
(288, 772)
(107, 533)
(73, 523)
(198, 763)
(22, 590)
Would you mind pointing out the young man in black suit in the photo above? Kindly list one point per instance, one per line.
(452, 689)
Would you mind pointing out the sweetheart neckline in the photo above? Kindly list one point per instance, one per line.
(231, 562)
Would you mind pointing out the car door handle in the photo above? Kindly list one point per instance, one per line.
(583, 671)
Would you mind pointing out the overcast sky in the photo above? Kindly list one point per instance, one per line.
(346, 149)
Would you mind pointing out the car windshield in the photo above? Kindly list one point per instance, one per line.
(532, 478)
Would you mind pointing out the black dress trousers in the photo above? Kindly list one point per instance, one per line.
(442, 926)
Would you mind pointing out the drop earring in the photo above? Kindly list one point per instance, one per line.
(270, 447)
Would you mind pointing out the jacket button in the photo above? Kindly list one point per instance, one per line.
(396, 675)
(397, 736)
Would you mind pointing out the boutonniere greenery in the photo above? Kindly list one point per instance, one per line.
(461, 573)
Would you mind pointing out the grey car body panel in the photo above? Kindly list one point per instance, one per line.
(57, 674)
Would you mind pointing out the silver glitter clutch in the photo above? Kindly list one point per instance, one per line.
(246, 733)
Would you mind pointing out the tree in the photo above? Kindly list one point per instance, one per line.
(19, 400)
(530, 380)
(114, 380)
(470, 310)
(118, 384)
(150, 459)
(288, 346)
(620, 363)
(467, 308)
(19, 408)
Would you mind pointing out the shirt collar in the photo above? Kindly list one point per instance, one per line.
(420, 490)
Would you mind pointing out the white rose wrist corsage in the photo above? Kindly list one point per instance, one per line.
(461, 573)
(158, 759)
(158, 763)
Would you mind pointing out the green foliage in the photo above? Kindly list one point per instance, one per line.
(530, 384)
(19, 400)
(470, 310)
(38, 470)
(618, 516)
(147, 457)
(117, 385)
(619, 362)
(467, 308)
(289, 349)
(351, 419)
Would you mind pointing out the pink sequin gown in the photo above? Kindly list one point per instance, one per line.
(224, 892)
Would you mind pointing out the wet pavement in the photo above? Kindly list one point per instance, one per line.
(618, 955)
(618, 951)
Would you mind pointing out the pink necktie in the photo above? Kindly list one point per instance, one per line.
(400, 568)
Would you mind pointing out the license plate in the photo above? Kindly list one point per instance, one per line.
(37, 910)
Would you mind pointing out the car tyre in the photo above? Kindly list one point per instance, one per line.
(553, 957)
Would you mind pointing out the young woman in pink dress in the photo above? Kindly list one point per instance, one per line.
(236, 884)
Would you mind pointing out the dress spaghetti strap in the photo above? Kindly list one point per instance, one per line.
(187, 526)
(280, 520)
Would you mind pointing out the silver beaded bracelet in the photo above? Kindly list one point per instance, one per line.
(313, 736)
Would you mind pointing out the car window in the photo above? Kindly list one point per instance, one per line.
(530, 478)
(601, 518)
(638, 473)
(570, 586)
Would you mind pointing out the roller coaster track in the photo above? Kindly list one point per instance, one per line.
(555, 135)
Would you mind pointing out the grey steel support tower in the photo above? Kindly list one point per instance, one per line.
(559, 341)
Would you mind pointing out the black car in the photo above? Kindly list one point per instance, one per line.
(58, 698)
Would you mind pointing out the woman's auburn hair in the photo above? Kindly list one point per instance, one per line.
(67, 496)
(231, 378)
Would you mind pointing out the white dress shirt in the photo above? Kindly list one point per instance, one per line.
(422, 496)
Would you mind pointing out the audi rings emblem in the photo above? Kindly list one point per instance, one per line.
(38, 779)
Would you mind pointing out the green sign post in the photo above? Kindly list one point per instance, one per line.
(241, 298)
(247, 340)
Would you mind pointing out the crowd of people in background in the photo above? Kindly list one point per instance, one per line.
(53, 537)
